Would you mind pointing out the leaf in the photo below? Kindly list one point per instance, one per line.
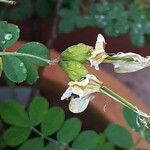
(13, 113)
(52, 121)
(64, 135)
(32, 73)
(80, 52)
(147, 135)
(131, 118)
(14, 136)
(37, 110)
(22, 11)
(38, 53)
(2, 143)
(75, 70)
(137, 34)
(66, 25)
(101, 142)
(10, 35)
(33, 144)
(86, 140)
(82, 21)
(119, 136)
(44, 8)
(14, 69)
(3, 30)
(106, 146)
(52, 146)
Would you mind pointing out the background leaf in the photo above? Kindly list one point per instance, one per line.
(14, 68)
(14, 136)
(22, 11)
(119, 136)
(33, 144)
(86, 140)
(52, 121)
(69, 130)
(37, 110)
(36, 49)
(45, 8)
(13, 113)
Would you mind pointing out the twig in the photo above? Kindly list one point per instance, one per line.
(51, 140)
(54, 31)
(51, 39)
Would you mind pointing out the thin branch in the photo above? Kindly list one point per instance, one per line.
(51, 140)
(24, 55)
(54, 31)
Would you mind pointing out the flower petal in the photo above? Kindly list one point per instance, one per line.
(85, 87)
(124, 67)
(138, 62)
(78, 105)
(67, 94)
(98, 54)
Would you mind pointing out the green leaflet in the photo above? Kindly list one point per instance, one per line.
(33, 144)
(9, 34)
(13, 113)
(14, 136)
(38, 50)
(37, 110)
(73, 125)
(119, 136)
(14, 68)
(51, 124)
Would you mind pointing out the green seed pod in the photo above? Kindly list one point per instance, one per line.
(75, 70)
(79, 52)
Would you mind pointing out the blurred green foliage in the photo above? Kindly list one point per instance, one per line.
(44, 128)
(114, 17)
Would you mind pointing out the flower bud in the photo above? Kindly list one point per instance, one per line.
(79, 52)
(75, 70)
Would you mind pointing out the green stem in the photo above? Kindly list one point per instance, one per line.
(118, 98)
(113, 59)
(24, 55)
(61, 146)
(8, 2)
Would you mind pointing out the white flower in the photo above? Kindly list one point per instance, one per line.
(138, 62)
(80, 93)
(98, 54)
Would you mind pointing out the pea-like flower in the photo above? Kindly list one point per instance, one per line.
(98, 54)
(137, 62)
(81, 92)
(122, 62)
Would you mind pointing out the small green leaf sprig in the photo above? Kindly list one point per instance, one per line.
(20, 65)
(42, 128)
